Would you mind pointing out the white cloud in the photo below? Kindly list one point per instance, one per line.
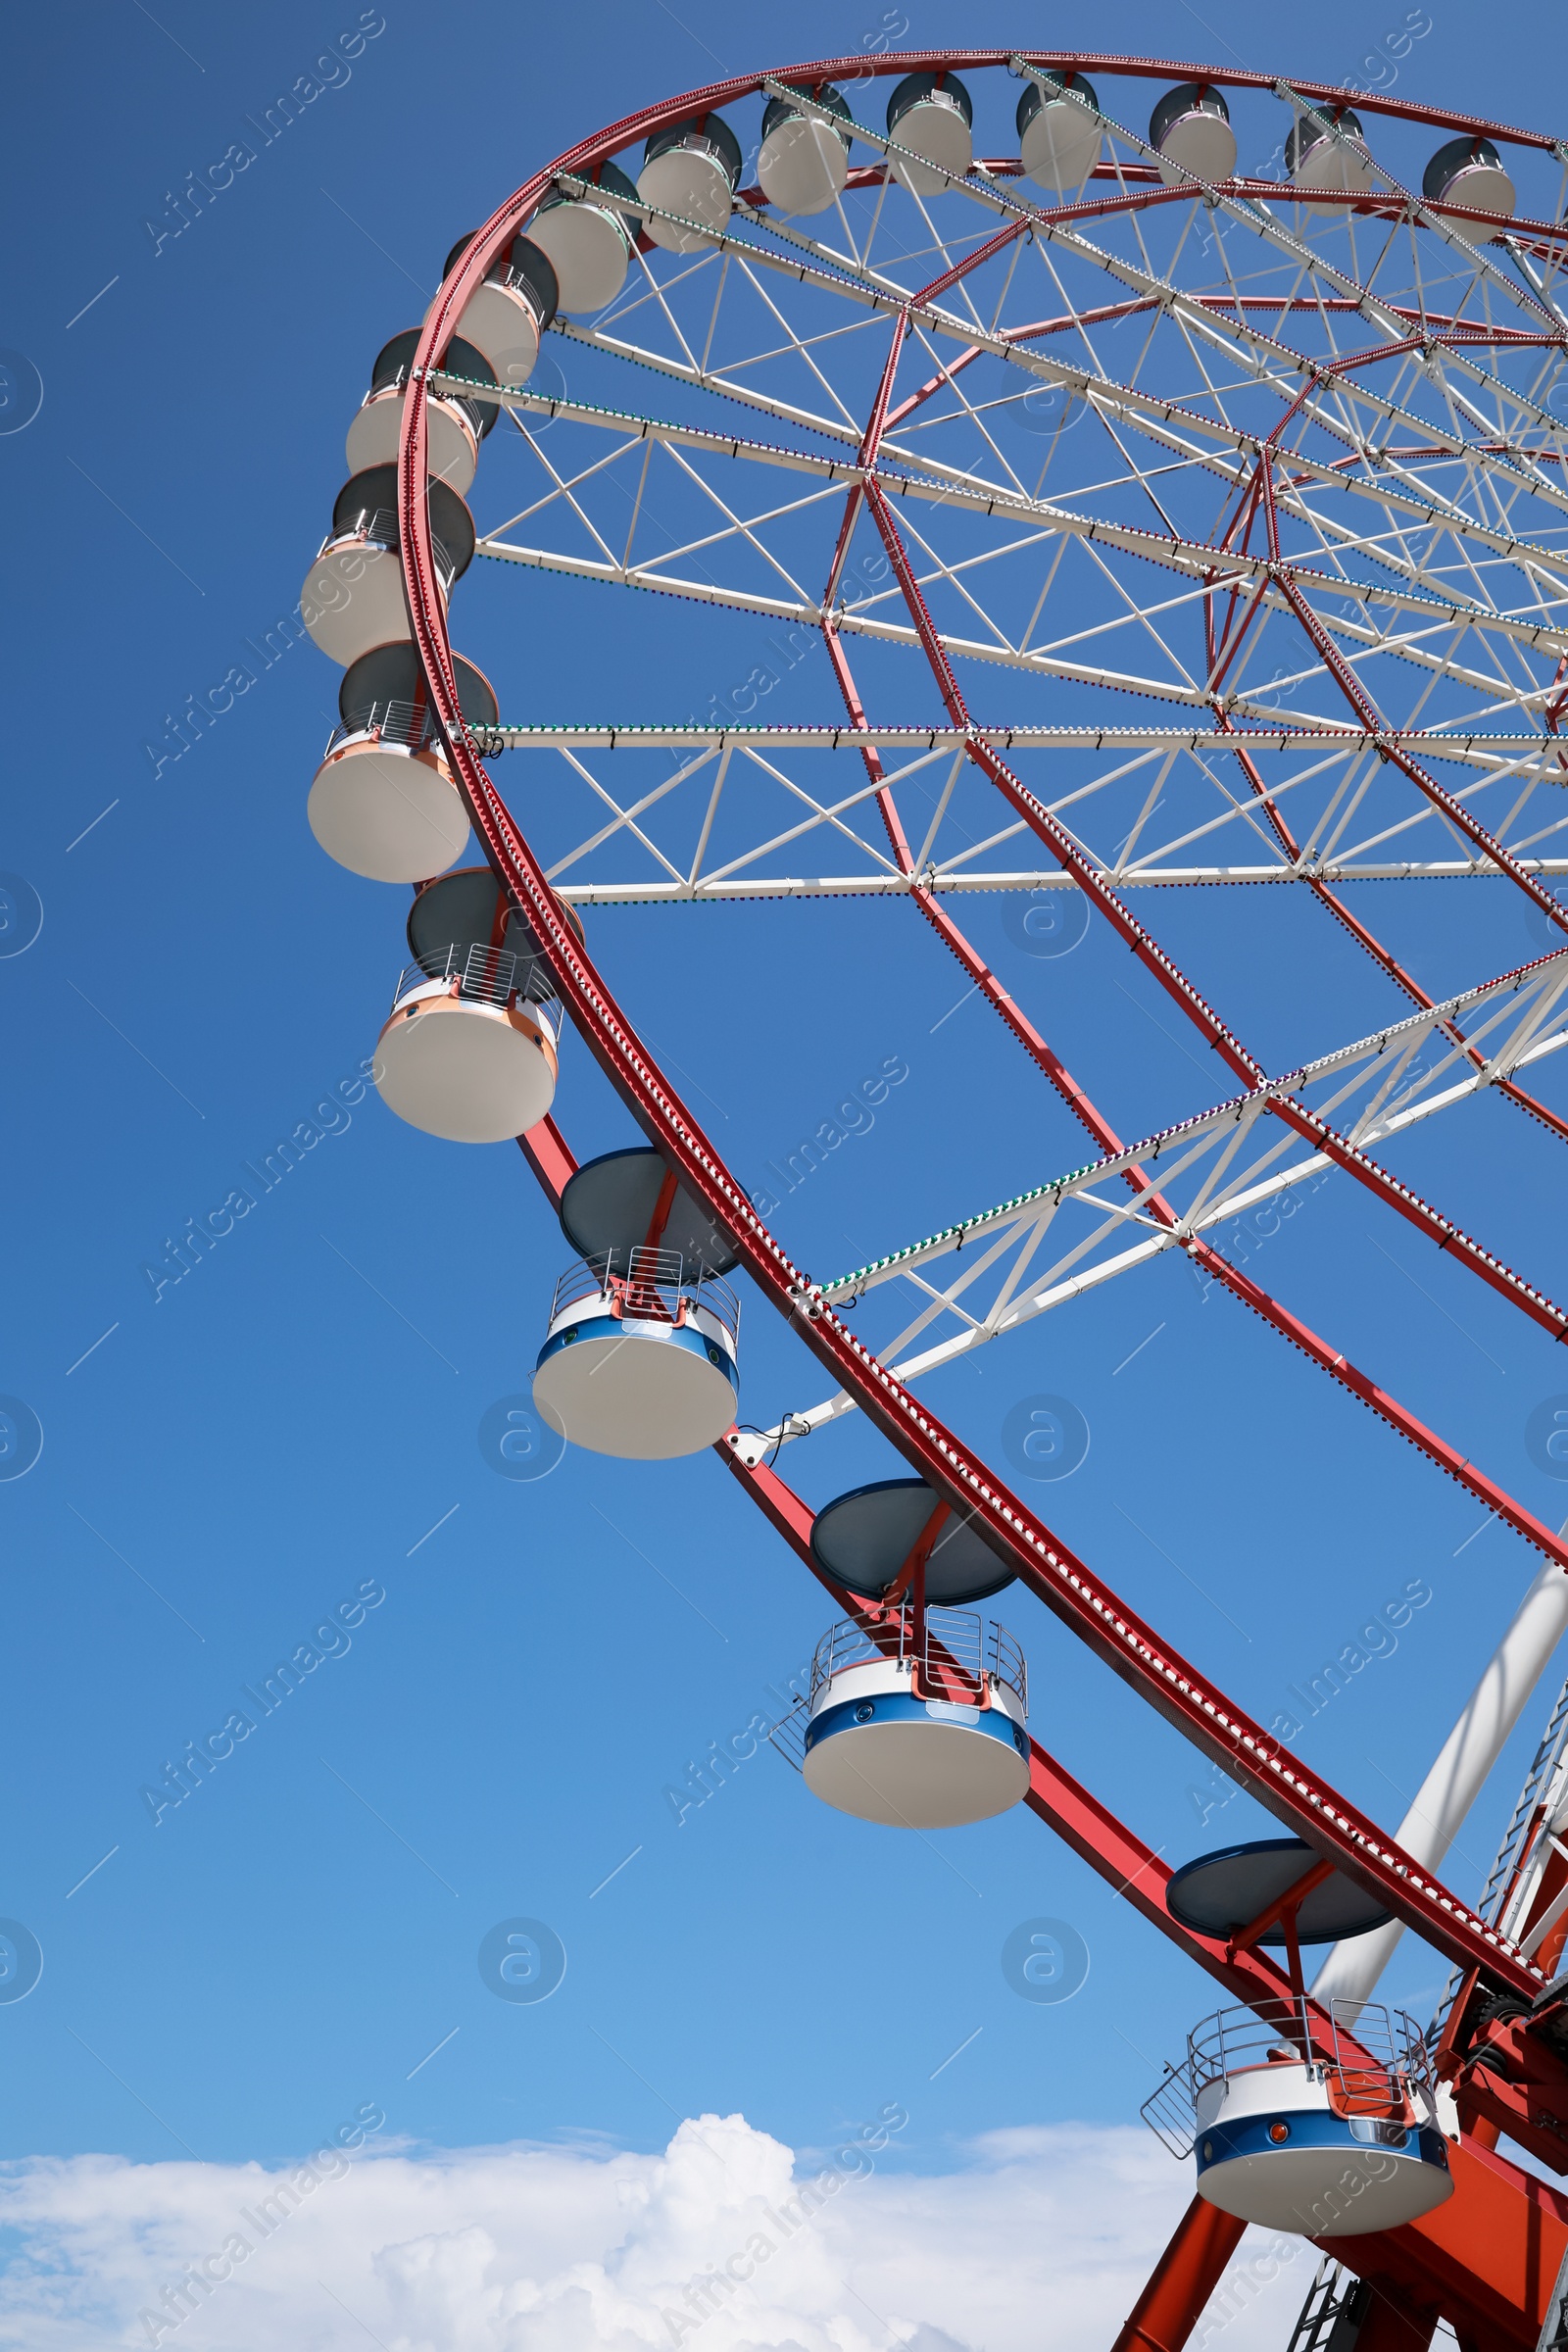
(1040, 2235)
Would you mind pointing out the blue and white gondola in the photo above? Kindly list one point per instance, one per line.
(1274, 2148)
(1329, 2131)
(926, 1729)
(641, 1353)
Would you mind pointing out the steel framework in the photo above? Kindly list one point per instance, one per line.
(1384, 513)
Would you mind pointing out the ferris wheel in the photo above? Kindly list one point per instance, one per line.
(1216, 426)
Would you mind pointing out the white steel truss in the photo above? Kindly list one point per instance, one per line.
(1224, 1164)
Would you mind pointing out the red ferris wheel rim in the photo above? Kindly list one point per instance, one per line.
(1298, 1797)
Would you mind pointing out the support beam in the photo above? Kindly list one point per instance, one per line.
(1392, 2325)
(1184, 2278)
(1488, 2259)
(1464, 1762)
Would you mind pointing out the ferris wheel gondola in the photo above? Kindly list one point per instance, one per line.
(1470, 172)
(931, 118)
(1335, 2129)
(641, 1351)
(588, 245)
(804, 162)
(507, 315)
(1329, 152)
(353, 597)
(1059, 141)
(1189, 132)
(690, 169)
(383, 802)
(457, 426)
(470, 1048)
(917, 1720)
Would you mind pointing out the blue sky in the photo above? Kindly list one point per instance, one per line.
(294, 1428)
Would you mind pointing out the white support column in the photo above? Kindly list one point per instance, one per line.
(1353, 1968)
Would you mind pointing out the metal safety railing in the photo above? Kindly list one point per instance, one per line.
(1369, 2057)
(650, 1286)
(412, 725)
(379, 526)
(954, 1651)
(486, 975)
(787, 1737)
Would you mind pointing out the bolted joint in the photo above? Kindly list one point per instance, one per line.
(808, 1302)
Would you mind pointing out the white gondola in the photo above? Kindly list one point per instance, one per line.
(1469, 173)
(693, 170)
(1329, 152)
(353, 597)
(454, 427)
(471, 1047)
(467, 1053)
(803, 163)
(1060, 140)
(640, 1357)
(384, 802)
(931, 116)
(1189, 132)
(1328, 2123)
(588, 245)
(505, 315)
